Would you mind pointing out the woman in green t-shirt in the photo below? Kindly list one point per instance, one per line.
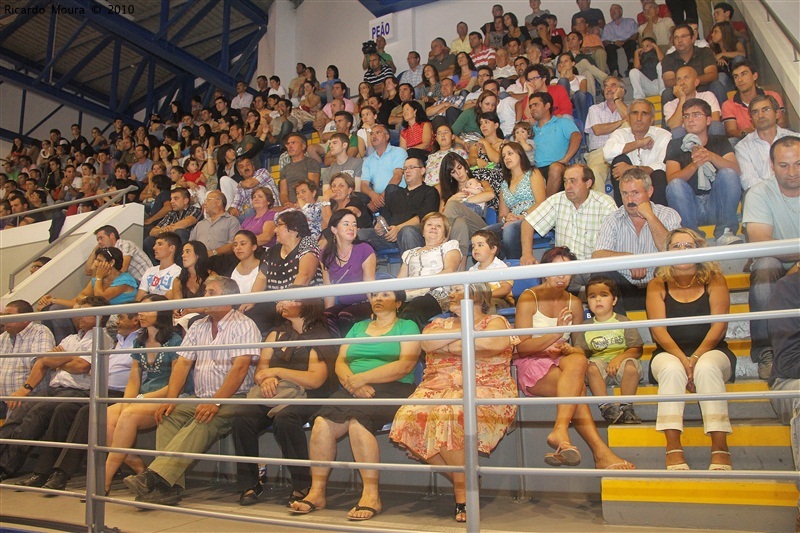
(379, 370)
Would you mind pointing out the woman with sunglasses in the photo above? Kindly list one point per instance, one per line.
(691, 357)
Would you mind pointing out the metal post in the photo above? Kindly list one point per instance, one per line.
(470, 414)
(95, 468)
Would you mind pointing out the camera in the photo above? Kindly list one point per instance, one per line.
(369, 47)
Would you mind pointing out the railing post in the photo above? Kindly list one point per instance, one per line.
(470, 414)
(95, 468)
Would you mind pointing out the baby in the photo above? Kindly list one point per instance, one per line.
(522, 134)
(472, 187)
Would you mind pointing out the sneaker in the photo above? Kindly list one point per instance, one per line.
(727, 238)
(162, 494)
(611, 413)
(141, 484)
(765, 364)
(629, 416)
(57, 480)
(36, 480)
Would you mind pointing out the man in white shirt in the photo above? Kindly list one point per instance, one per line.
(70, 423)
(218, 374)
(243, 99)
(159, 278)
(641, 145)
(30, 420)
(602, 120)
(752, 152)
(686, 83)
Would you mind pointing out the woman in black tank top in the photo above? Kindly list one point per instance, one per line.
(691, 357)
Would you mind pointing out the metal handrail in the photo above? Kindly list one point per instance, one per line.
(61, 205)
(116, 196)
(95, 511)
(774, 248)
(786, 32)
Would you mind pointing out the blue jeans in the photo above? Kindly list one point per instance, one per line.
(764, 274)
(511, 236)
(407, 238)
(717, 207)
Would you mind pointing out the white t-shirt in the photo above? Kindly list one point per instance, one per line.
(672, 105)
(158, 281)
(494, 265)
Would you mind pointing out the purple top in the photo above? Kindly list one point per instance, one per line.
(351, 272)
(256, 224)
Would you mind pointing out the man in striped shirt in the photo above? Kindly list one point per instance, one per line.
(21, 337)
(220, 373)
(637, 227)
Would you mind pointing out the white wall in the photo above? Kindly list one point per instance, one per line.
(331, 31)
(36, 108)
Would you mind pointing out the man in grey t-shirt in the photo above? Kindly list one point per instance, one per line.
(301, 167)
(337, 148)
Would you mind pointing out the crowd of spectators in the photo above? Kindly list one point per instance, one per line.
(464, 158)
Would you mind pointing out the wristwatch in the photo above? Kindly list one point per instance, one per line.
(27, 386)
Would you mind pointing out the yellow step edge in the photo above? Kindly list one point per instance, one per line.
(744, 435)
(740, 348)
(722, 492)
(742, 386)
(735, 308)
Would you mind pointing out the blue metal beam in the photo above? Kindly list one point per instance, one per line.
(225, 58)
(61, 50)
(47, 117)
(22, 18)
(88, 58)
(112, 97)
(249, 50)
(192, 23)
(62, 97)
(178, 16)
(132, 87)
(163, 50)
(22, 63)
(251, 11)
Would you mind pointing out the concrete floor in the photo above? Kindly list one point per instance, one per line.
(402, 511)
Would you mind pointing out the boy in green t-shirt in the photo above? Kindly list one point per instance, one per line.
(613, 353)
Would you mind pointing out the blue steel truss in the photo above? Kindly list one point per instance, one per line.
(235, 59)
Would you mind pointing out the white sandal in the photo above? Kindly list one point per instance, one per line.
(679, 466)
(717, 466)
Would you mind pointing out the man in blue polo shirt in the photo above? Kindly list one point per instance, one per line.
(557, 141)
(381, 168)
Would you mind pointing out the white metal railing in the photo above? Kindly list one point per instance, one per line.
(122, 193)
(95, 511)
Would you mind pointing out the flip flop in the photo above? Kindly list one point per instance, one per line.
(362, 518)
(565, 455)
(311, 507)
(624, 465)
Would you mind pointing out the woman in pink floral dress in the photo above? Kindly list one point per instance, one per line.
(435, 433)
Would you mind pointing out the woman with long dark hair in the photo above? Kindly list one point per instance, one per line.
(345, 259)
(149, 378)
(523, 188)
(464, 209)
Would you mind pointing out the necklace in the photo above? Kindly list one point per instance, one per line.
(686, 286)
(343, 260)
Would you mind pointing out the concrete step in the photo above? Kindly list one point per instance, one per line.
(737, 410)
(739, 505)
(754, 445)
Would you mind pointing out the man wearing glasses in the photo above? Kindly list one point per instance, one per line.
(216, 231)
(703, 183)
(404, 209)
(752, 151)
